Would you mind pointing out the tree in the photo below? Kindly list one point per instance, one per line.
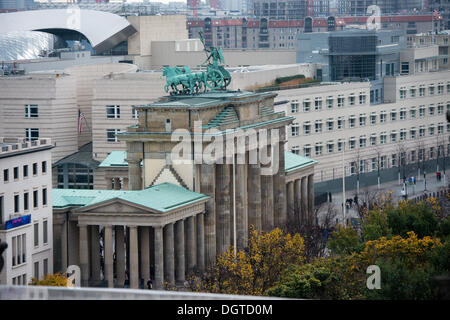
(54, 280)
(257, 268)
(344, 241)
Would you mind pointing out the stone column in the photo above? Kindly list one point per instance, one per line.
(125, 184)
(208, 187)
(179, 252)
(279, 188)
(84, 255)
(223, 207)
(108, 245)
(169, 266)
(134, 174)
(311, 199)
(159, 259)
(134, 258)
(116, 183)
(254, 196)
(95, 253)
(191, 256)
(297, 201)
(145, 252)
(267, 216)
(304, 200)
(201, 248)
(120, 255)
(64, 235)
(290, 201)
(241, 206)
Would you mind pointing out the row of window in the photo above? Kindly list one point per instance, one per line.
(365, 141)
(421, 90)
(329, 102)
(113, 112)
(26, 200)
(22, 279)
(364, 119)
(19, 247)
(25, 171)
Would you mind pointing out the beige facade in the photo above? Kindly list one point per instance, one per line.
(409, 122)
(41, 105)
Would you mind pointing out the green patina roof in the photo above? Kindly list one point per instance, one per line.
(115, 159)
(293, 161)
(226, 116)
(162, 197)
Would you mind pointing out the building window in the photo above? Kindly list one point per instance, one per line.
(393, 136)
(45, 231)
(294, 130)
(440, 128)
(431, 90)
(36, 270)
(340, 145)
(307, 128)
(373, 140)
(340, 123)
(295, 149)
(44, 196)
(351, 121)
(351, 100)
(431, 153)
(294, 107)
(412, 92)
(318, 126)
(36, 234)
(422, 91)
(422, 111)
(440, 88)
(340, 102)
(306, 106)
(330, 145)
(373, 118)
(318, 103)
(44, 166)
(31, 134)
(403, 114)
(307, 150)
(403, 93)
(362, 120)
(16, 173)
(383, 117)
(330, 124)
(134, 114)
(113, 112)
(16, 203)
(26, 201)
(393, 115)
(111, 135)
(412, 133)
(422, 131)
(45, 263)
(31, 111)
(362, 142)
(35, 169)
(330, 102)
(318, 149)
(440, 109)
(383, 138)
(431, 130)
(431, 110)
(383, 161)
(402, 134)
(25, 171)
(362, 98)
(5, 175)
(352, 143)
(393, 160)
(35, 199)
(412, 113)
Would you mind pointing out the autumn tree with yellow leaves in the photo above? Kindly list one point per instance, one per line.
(256, 269)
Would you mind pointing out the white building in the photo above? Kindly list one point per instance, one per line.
(26, 209)
(408, 127)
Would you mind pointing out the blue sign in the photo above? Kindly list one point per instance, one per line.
(17, 222)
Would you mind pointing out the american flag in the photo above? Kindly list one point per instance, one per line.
(80, 117)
